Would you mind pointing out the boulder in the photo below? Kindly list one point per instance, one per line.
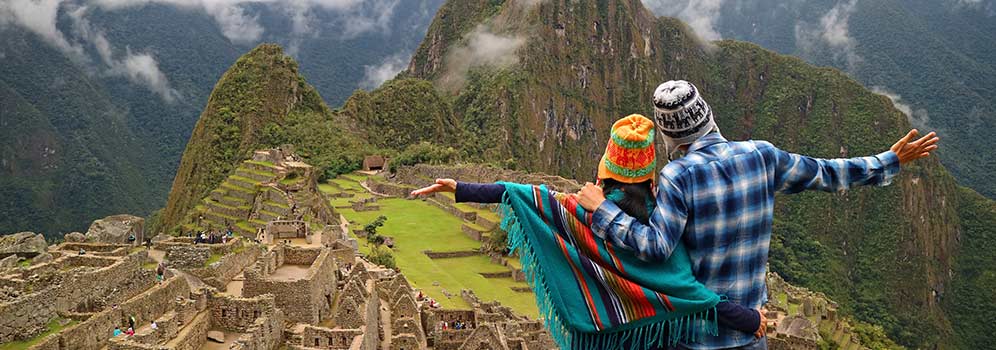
(216, 336)
(9, 262)
(117, 229)
(26, 244)
(74, 237)
(42, 258)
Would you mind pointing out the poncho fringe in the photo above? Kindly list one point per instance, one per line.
(638, 335)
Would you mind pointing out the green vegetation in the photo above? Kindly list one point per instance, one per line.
(215, 257)
(423, 152)
(53, 327)
(974, 279)
(382, 256)
(916, 49)
(417, 226)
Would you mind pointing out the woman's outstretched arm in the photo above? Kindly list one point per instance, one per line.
(465, 191)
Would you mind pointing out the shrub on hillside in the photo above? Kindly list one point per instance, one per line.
(423, 152)
(383, 257)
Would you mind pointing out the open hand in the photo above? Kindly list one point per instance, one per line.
(910, 151)
(441, 185)
(590, 197)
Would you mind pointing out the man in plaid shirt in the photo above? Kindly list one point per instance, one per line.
(719, 200)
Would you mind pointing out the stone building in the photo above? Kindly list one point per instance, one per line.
(303, 281)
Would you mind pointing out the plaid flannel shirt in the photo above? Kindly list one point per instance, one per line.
(719, 199)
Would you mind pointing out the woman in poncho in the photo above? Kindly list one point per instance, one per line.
(590, 294)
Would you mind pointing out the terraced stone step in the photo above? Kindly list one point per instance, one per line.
(502, 274)
(243, 182)
(466, 215)
(257, 175)
(261, 166)
(267, 216)
(219, 219)
(239, 212)
(238, 192)
(231, 201)
(274, 207)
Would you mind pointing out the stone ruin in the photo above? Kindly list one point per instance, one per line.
(303, 281)
(274, 185)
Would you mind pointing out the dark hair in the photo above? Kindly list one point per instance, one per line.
(636, 197)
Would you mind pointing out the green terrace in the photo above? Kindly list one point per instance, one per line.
(418, 226)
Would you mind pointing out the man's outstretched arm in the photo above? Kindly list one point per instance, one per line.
(795, 173)
(652, 242)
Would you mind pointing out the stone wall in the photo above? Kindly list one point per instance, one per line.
(220, 273)
(239, 314)
(308, 299)
(266, 333)
(300, 256)
(455, 254)
(321, 337)
(187, 256)
(95, 332)
(193, 336)
(96, 248)
(391, 189)
(371, 337)
(28, 315)
(450, 339)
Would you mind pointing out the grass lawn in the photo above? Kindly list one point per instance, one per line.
(347, 184)
(328, 189)
(52, 328)
(417, 226)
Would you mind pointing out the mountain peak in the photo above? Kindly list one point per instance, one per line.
(263, 87)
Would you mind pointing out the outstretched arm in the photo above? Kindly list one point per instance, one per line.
(795, 173)
(465, 191)
(653, 242)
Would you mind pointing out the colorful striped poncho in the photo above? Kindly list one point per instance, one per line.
(591, 295)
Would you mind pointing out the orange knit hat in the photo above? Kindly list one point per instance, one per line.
(630, 156)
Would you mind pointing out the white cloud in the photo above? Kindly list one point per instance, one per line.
(38, 16)
(918, 118)
(701, 15)
(375, 75)
(832, 32)
(480, 47)
(358, 16)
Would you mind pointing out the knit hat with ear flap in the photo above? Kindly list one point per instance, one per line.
(629, 156)
(681, 115)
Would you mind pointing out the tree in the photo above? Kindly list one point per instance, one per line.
(371, 230)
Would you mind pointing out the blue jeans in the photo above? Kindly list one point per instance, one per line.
(758, 344)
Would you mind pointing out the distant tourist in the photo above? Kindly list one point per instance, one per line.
(82, 251)
(153, 325)
(131, 238)
(130, 332)
(160, 271)
(117, 331)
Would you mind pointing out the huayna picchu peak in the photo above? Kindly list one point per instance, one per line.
(292, 225)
